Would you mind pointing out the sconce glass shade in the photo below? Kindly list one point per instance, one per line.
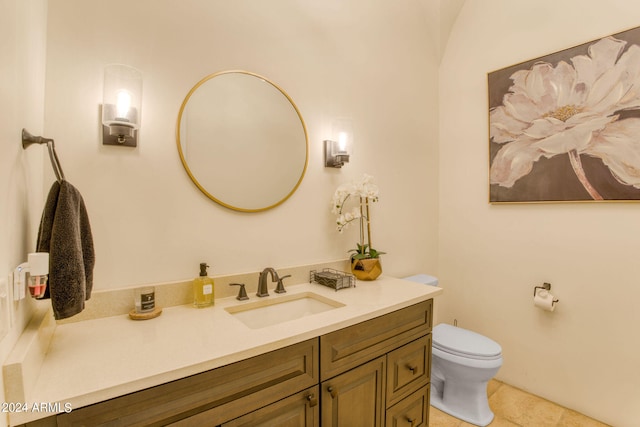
(339, 148)
(122, 102)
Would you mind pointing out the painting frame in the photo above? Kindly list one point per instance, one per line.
(565, 127)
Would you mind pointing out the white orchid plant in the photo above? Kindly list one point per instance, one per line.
(358, 194)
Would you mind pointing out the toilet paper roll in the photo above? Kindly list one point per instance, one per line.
(544, 300)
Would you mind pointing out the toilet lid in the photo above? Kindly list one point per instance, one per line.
(465, 343)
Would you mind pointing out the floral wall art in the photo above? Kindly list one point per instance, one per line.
(566, 126)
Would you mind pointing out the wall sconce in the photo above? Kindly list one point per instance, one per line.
(37, 266)
(122, 101)
(338, 149)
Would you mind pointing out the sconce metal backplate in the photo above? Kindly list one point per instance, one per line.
(122, 135)
(333, 160)
(130, 140)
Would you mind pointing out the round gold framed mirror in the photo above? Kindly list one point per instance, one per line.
(242, 141)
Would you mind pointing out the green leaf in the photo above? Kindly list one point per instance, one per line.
(364, 251)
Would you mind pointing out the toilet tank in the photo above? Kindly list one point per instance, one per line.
(424, 279)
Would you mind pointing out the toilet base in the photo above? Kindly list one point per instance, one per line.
(482, 420)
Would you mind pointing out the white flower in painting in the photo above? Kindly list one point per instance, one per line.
(572, 110)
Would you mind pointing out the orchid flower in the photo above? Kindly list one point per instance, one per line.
(360, 192)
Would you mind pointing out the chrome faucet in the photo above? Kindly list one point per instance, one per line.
(262, 281)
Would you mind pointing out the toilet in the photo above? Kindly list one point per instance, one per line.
(462, 363)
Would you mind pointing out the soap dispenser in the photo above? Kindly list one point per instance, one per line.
(203, 288)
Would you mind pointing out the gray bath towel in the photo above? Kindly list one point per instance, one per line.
(66, 234)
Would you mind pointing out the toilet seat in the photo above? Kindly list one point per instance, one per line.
(464, 343)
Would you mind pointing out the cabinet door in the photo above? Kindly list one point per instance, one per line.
(355, 398)
(299, 410)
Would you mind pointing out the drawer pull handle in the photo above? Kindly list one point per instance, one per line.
(411, 420)
(332, 391)
(412, 368)
(312, 400)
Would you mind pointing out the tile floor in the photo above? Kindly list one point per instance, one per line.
(513, 407)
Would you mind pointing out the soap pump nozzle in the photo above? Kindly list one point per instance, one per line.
(203, 268)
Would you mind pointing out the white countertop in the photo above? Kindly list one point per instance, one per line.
(94, 360)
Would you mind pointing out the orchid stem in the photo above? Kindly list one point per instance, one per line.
(576, 163)
(361, 223)
(368, 224)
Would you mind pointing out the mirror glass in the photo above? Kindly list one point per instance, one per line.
(242, 141)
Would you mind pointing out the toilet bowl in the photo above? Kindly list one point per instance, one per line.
(462, 363)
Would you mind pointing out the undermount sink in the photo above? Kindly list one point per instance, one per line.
(280, 309)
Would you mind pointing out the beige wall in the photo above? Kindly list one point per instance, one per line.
(371, 61)
(585, 354)
(22, 59)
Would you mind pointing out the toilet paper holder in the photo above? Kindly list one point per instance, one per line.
(546, 286)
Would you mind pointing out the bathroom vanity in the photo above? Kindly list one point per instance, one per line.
(365, 362)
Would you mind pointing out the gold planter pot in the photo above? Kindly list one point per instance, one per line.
(366, 269)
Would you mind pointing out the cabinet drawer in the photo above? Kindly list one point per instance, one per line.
(300, 410)
(352, 346)
(412, 411)
(224, 393)
(408, 368)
